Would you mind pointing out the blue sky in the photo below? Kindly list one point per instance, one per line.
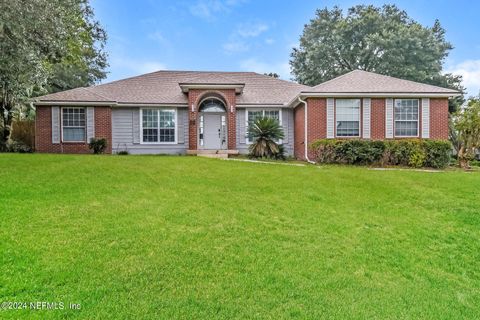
(253, 35)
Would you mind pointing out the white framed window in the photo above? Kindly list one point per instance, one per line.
(253, 115)
(406, 116)
(158, 126)
(347, 115)
(73, 124)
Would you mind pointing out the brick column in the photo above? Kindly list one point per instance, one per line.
(103, 125)
(231, 119)
(193, 96)
(377, 119)
(438, 118)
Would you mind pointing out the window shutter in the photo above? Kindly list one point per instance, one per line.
(330, 118)
(90, 123)
(241, 114)
(366, 118)
(136, 125)
(181, 118)
(389, 118)
(425, 118)
(55, 124)
(285, 118)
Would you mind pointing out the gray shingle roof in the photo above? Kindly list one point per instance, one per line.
(359, 81)
(211, 78)
(77, 94)
(163, 87)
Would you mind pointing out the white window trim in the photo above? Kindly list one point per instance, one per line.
(247, 141)
(359, 119)
(62, 126)
(395, 121)
(158, 142)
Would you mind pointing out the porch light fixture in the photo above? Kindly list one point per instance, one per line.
(231, 109)
(193, 107)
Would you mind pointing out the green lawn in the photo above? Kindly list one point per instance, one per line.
(185, 237)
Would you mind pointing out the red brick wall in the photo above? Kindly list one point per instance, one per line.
(103, 125)
(194, 97)
(317, 119)
(43, 132)
(438, 118)
(317, 125)
(377, 119)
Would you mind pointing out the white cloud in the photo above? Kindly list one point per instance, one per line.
(238, 39)
(253, 64)
(251, 30)
(209, 9)
(235, 46)
(269, 41)
(157, 36)
(470, 70)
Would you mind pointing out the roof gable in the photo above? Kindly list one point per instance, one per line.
(359, 81)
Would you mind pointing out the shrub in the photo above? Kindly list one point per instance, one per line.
(360, 151)
(407, 152)
(19, 147)
(475, 163)
(439, 153)
(98, 145)
(123, 153)
(417, 158)
(325, 150)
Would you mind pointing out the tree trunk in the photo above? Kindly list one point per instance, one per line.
(6, 130)
(463, 161)
(6, 116)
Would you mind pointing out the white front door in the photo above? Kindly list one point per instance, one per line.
(212, 131)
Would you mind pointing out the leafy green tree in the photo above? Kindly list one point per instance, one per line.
(265, 132)
(465, 133)
(37, 39)
(383, 40)
(85, 61)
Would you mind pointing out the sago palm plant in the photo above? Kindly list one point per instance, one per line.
(265, 132)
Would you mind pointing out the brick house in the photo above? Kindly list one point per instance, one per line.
(179, 112)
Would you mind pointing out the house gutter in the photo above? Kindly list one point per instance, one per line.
(306, 129)
(74, 103)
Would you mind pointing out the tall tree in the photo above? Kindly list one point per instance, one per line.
(383, 40)
(85, 61)
(38, 38)
(465, 132)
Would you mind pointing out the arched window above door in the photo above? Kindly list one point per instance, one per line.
(212, 105)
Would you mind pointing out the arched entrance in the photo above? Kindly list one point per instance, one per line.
(212, 129)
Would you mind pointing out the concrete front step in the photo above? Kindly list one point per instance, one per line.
(215, 153)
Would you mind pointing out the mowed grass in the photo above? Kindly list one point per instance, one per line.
(184, 237)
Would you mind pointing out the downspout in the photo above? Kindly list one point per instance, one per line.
(306, 129)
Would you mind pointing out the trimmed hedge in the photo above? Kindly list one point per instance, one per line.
(406, 152)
